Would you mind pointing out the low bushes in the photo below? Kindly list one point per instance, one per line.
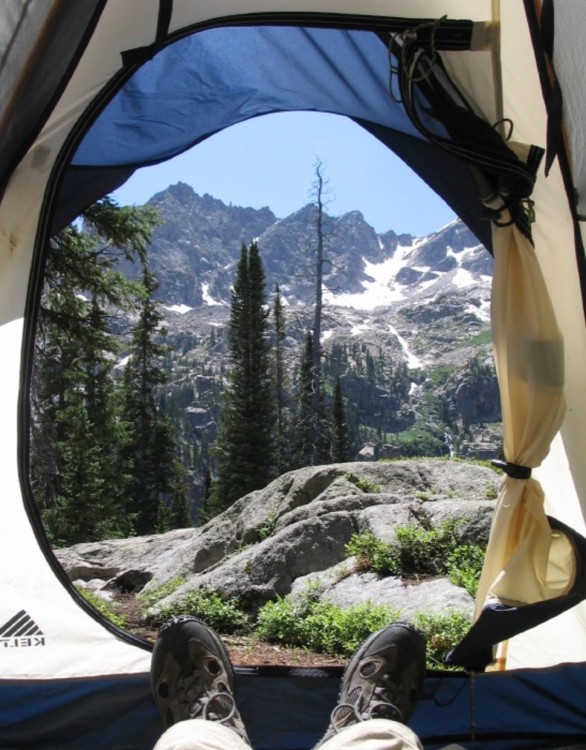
(307, 620)
(421, 552)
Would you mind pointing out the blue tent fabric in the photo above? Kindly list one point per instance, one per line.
(218, 77)
(289, 709)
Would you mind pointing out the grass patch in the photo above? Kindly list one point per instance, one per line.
(481, 339)
(441, 374)
(102, 606)
(148, 599)
(477, 462)
(418, 442)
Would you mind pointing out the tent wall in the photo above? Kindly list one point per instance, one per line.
(74, 645)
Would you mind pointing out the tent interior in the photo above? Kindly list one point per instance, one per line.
(485, 102)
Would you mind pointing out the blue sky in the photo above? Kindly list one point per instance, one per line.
(269, 161)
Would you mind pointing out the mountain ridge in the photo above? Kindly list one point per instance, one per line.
(198, 229)
(405, 325)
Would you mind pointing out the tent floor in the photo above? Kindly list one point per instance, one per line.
(289, 709)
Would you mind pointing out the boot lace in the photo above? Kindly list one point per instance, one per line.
(381, 705)
(217, 704)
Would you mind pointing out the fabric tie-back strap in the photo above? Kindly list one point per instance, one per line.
(515, 471)
(498, 622)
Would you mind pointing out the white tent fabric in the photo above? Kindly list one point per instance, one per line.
(526, 561)
(503, 80)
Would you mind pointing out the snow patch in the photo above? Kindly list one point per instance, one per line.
(360, 328)
(122, 364)
(413, 389)
(381, 290)
(181, 309)
(207, 298)
(481, 311)
(413, 361)
(463, 278)
(326, 335)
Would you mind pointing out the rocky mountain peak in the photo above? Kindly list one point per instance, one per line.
(405, 324)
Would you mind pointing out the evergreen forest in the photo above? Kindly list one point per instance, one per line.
(135, 431)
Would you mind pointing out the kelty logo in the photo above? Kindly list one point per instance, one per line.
(21, 631)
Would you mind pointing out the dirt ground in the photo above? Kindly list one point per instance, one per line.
(244, 650)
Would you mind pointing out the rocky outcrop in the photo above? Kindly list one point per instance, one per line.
(273, 541)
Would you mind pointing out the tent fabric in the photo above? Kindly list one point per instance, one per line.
(48, 28)
(44, 126)
(340, 70)
(523, 709)
(569, 21)
(225, 79)
(527, 561)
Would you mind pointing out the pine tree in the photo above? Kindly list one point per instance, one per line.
(76, 468)
(157, 479)
(246, 440)
(340, 448)
(305, 432)
(282, 429)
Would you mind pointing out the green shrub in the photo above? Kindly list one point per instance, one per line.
(268, 528)
(465, 566)
(148, 598)
(492, 492)
(320, 625)
(426, 551)
(420, 551)
(374, 554)
(363, 483)
(278, 622)
(102, 606)
(442, 632)
(324, 627)
(221, 614)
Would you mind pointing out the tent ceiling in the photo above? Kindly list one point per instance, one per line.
(217, 77)
(36, 56)
(570, 27)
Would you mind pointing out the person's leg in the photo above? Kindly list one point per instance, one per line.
(196, 734)
(192, 680)
(380, 690)
(374, 734)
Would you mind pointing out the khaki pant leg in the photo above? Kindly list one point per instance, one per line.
(375, 734)
(198, 734)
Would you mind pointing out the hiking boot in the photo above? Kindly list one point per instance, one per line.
(192, 676)
(382, 680)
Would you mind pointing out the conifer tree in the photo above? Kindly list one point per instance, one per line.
(157, 477)
(340, 448)
(76, 468)
(84, 463)
(282, 428)
(304, 418)
(246, 440)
